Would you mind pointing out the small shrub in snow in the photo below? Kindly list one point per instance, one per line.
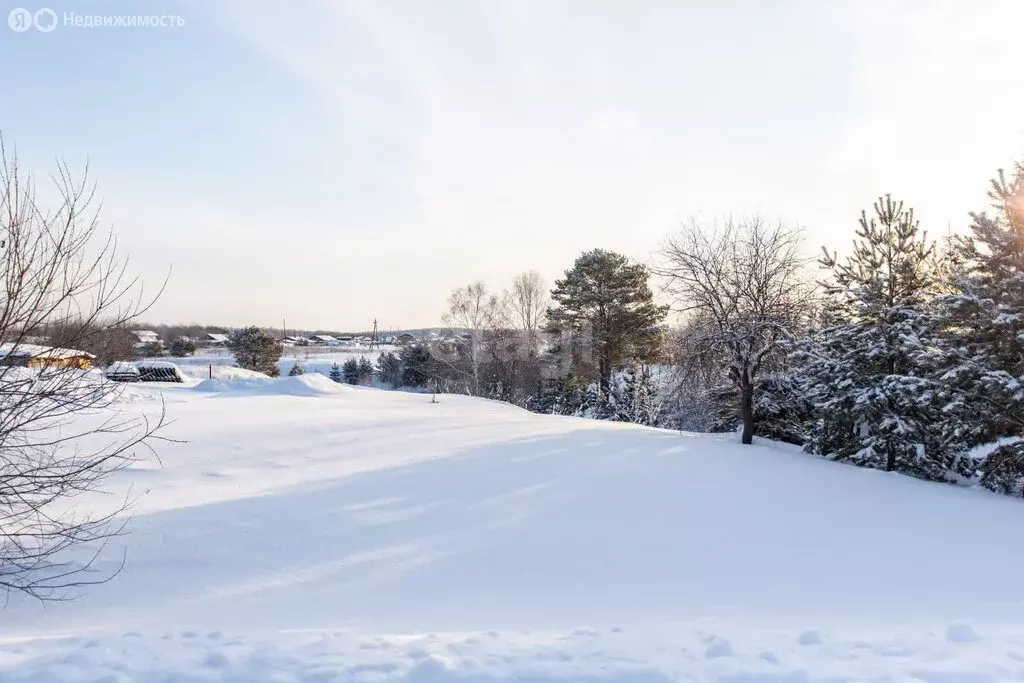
(296, 370)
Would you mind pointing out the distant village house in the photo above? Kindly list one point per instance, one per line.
(215, 339)
(36, 356)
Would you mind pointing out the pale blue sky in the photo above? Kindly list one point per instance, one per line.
(334, 161)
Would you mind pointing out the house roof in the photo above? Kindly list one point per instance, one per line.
(324, 337)
(217, 336)
(38, 351)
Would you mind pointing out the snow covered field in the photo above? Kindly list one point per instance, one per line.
(311, 358)
(314, 532)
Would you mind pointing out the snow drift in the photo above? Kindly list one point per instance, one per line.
(300, 385)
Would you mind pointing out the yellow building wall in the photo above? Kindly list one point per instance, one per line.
(82, 363)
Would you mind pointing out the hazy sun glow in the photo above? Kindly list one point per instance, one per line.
(352, 161)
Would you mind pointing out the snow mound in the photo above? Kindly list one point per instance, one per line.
(961, 633)
(339, 655)
(156, 364)
(219, 371)
(301, 385)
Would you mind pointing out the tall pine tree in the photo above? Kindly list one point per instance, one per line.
(873, 406)
(983, 335)
(605, 301)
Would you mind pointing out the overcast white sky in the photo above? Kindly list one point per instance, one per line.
(335, 161)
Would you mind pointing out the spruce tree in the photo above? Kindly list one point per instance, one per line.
(417, 365)
(350, 371)
(335, 374)
(296, 370)
(365, 371)
(873, 406)
(636, 397)
(389, 369)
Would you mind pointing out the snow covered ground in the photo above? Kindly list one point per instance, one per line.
(308, 531)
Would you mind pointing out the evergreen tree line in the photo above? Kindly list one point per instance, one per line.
(910, 358)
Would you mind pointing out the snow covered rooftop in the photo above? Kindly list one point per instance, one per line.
(39, 351)
(163, 364)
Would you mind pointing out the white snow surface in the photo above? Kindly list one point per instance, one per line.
(306, 531)
(312, 359)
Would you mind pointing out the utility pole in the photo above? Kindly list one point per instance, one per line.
(373, 338)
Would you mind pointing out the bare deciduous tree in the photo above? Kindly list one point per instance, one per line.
(743, 287)
(58, 271)
(526, 304)
(473, 309)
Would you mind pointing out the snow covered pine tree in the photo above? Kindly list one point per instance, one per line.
(335, 374)
(873, 406)
(636, 398)
(983, 337)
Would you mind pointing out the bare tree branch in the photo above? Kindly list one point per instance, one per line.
(743, 287)
(61, 432)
